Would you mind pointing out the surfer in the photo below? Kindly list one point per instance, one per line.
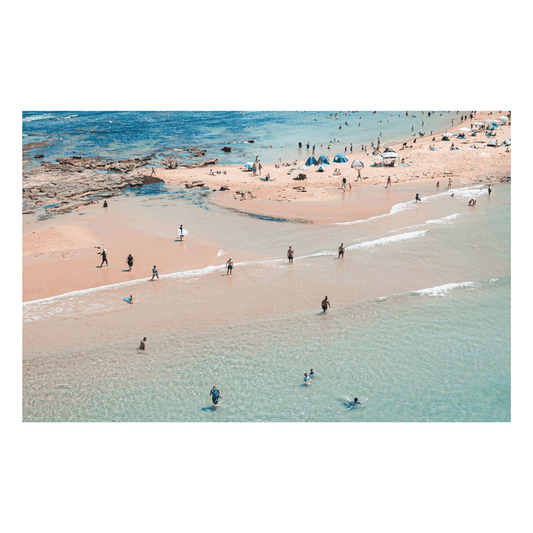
(341, 251)
(325, 304)
(154, 273)
(306, 379)
(229, 265)
(215, 394)
(180, 232)
(130, 260)
(290, 254)
(143, 344)
(104, 257)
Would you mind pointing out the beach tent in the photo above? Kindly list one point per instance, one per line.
(506, 142)
(390, 158)
(340, 158)
(446, 135)
(493, 143)
(389, 149)
(321, 168)
(465, 129)
(504, 119)
(357, 163)
(311, 161)
(323, 160)
(477, 125)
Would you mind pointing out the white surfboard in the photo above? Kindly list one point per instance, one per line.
(182, 232)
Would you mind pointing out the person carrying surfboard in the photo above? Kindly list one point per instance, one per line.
(215, 395)
(180, 232)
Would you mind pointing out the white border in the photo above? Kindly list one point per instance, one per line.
(14, 432)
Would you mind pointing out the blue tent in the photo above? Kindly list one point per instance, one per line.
(340, 158)
(311, 161)
(323, 160)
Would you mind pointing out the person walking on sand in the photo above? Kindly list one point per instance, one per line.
(389, 183)
(130, 260)
(153, 170)
(438, 184)
(105, 203)
(131, 299)
(341, 251)
(290, 254)
(450, 184)
(229, 266)
(143, 344)
(325, 304)
(154, 273)
(104, 258)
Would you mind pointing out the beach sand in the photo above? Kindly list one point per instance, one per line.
(60, 256)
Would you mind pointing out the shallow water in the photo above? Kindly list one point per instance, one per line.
(419, 328)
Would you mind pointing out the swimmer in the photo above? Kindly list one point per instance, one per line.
(306, 379)
(130, 260)
(341, 251)
(154, 273)
(325, 304)
(229, 265)
(215, 395)
(312, 374)
(290, 254)
(143, 344)
(354, 403)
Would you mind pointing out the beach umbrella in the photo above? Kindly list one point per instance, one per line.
(477, 124)
(323, 160)
(389, 149)
(249, 165)
(492, 121)
(446, 134)
(357, 163)
(465, 129)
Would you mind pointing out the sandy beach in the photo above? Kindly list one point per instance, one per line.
(61, 254)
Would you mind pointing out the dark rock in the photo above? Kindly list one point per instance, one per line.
(38, 156)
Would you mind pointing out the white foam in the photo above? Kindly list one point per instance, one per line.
(443, 220)
(441, 290)
(37, 117)
(220, 252)
(387, 240)
(395, 209)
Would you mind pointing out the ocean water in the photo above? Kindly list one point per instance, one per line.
(419, 328)
(123, 134)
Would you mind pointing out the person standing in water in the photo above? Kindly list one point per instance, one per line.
(312, 374)
(229, 265)
(290, 254)
(325, 304)
(130, 260)
(104, 257)
(341, 251)
(154, 273)
(489, 190)
(417, 198)
(215, 395)
(306, 380)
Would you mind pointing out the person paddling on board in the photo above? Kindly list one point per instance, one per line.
(215, 395)
(325, 304)
(306, 379)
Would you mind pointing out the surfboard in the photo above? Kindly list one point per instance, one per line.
(127, 300)
(182, 232)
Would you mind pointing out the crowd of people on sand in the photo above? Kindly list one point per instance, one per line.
(216, 172)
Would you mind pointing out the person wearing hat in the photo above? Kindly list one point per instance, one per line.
(229, 265)
(104, 257)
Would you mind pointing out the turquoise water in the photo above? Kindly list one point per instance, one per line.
(419, 328)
